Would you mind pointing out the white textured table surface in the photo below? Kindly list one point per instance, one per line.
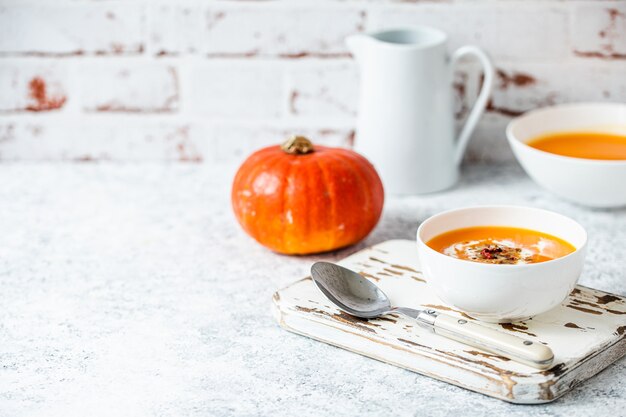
(131, 291)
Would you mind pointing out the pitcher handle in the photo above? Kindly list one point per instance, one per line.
(481, 101)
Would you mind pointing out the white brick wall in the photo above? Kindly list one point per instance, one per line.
(236, 141)
(65, 28)
(600, 33)
(213, 80)
(120, 87)
(279, 30)
(508, 30)
(236, 90)
(325, 90)
(174, 29)
(91, 139)
(29, 86)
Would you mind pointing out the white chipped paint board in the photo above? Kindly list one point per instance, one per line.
(587, 332)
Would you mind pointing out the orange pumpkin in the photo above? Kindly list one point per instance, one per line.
(300, 199)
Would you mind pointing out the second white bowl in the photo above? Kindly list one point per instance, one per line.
(594, 183)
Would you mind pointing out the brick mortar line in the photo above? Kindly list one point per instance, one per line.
(196, 58)
(308, 62)
(172, 118)
(289, 5)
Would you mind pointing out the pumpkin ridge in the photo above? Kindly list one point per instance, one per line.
(275, 167)
(286, 230)
(306, 177)
(356, 177)
(371, 177)
(250, 176)
(363, 177)
(374, 179)
(333, 205)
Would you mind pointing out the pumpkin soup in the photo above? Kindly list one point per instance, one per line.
(500, 245)
(585, 145)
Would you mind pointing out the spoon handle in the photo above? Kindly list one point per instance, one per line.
(521, 350)
(516, 348)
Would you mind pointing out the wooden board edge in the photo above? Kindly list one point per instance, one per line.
(499, 388)
(587, 368)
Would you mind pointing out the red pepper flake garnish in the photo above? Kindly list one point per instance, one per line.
(495, 254)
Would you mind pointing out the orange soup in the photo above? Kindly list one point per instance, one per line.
(500, 245)
(585, 145)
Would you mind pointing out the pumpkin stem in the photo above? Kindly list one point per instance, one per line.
(297, 145)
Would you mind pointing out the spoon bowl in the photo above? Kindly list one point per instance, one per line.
(350, 291)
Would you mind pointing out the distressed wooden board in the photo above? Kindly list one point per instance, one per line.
(587, 332)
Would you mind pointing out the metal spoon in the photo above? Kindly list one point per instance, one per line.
(359, 297)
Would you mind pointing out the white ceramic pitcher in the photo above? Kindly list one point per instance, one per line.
(406, 123)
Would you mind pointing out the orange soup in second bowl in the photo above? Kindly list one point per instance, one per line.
(500, 245)
(586, 145)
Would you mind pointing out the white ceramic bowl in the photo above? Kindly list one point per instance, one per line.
(502, 293)
(594, 183)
